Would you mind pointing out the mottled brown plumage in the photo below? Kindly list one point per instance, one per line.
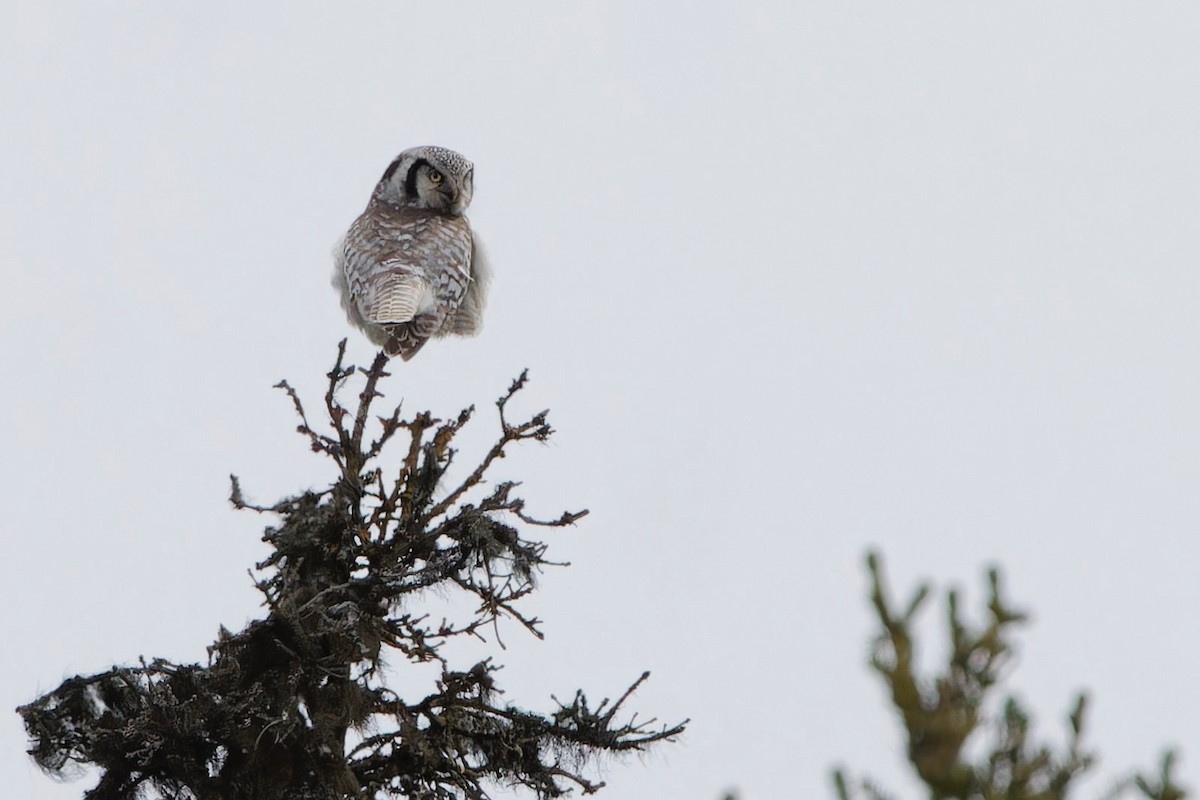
(410, 267)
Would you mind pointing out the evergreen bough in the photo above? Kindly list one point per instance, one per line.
(945, 713)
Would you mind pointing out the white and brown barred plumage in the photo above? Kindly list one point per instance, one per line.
(410, 267)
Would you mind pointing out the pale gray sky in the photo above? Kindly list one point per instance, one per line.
(795, 279)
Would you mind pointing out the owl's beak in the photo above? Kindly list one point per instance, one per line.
(458, 200)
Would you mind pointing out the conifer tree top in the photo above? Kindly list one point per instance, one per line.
(296, 704)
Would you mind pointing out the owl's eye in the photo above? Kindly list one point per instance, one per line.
(435, 177)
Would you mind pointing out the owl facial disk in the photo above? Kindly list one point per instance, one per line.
(428, 177)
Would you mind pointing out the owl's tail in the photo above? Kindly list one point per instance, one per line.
(407, 339)
(397, 299)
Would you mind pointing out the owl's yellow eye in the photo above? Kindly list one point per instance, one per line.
(435, 177)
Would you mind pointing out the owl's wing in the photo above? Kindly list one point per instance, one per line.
(468, 317)
(383, 268)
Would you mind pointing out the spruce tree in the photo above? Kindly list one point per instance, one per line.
(943, 713)
(297, 704)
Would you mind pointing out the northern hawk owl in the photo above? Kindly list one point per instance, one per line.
(410, 267)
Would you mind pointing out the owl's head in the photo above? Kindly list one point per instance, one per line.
(429, 177)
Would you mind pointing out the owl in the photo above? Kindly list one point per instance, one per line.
(410, 267)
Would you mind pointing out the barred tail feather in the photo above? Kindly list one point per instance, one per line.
(406, 340)
(396, 300)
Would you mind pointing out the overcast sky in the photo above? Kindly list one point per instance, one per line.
(795, 280)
